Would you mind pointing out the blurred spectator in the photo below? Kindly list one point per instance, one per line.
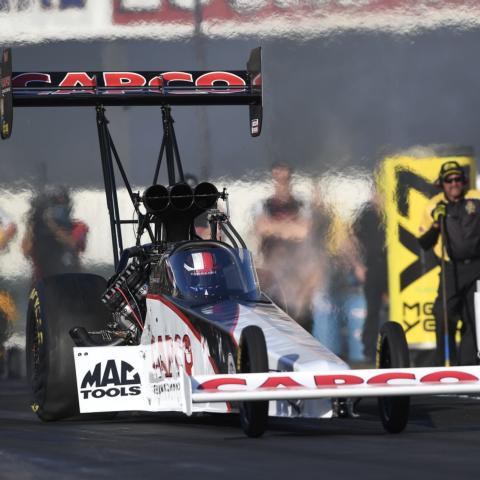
(369, 230)
(283, 227)
(8, 311)
(8, 229)
(54, 240)
(338, 303)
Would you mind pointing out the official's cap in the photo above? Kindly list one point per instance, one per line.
(450, 168)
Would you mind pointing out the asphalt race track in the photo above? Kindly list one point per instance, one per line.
(442, 441)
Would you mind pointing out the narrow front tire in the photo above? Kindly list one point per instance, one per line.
(253, 358)
(392, 352)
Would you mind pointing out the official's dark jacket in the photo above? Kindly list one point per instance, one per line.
(462, 224)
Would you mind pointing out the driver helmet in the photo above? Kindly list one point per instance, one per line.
(204, 277)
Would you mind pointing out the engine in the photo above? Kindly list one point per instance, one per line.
(125, 297)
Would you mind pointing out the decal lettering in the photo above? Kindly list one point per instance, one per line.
(386, 377)
(276, 382)
(216, 383)
(449, 375)
(171, 82)
(188, 355)
(159, 389)
(170, 77)
(262, 382)
(176, 77)
(111, 381)
(77, 79)
(112, 392)
(167, 354)
(212, 79)
(25, 79)
(92, 378)
(334, 380)
(122, 79)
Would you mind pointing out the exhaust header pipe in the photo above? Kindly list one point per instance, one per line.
(156, 199)
(205, 195)
(181, 196)
(161, 201)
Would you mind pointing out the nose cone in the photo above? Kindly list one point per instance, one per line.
(290, 347)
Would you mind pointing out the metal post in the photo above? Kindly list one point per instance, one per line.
(169, 152)
(177, 154)
(159, 162)
(170, 149)
(446, 337)
(106, 159)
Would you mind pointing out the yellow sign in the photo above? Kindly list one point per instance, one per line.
(413, 275)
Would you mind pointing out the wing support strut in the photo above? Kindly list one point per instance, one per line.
(169, 148)
(108, 152)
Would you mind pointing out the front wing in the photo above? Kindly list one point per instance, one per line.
(126, 379)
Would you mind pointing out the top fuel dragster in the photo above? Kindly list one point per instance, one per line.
(183, 325)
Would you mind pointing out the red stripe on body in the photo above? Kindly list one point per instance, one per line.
(178, 312)
(185, 320)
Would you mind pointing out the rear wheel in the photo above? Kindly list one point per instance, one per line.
(392, 352)
(56, 305)
(253, 359)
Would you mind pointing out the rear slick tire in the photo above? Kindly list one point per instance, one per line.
(57, 304)
(253, 359)
(392, 352)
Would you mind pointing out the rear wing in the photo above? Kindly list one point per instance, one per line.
(129, 88)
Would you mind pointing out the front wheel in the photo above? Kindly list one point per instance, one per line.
(253, 359)
(392, 352)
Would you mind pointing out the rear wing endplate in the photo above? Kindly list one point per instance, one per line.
(129, 88)
(6, 97)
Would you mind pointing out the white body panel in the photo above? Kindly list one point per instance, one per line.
(175, 344)
(290, 349)
(122, 379)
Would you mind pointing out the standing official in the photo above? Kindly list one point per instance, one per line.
(458, 209)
